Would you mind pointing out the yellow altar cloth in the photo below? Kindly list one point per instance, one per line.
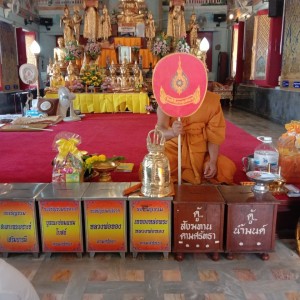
(109, 102)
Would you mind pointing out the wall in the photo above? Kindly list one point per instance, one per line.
(278, 105)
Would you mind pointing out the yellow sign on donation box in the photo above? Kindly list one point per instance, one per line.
(150, 225)
(60, 217)
(18, 227)
(105, 217)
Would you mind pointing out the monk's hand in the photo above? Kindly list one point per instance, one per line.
(177, 128)
(210, 169)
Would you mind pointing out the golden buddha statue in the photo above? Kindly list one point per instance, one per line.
(56, 80)
(136, 73)
(67, 22)
(130, 15)
(105, 24)
(59, 52)
(71, 77)
(91, 20)
(124, 71)
(193, 28)
(113, 72)
(150, 30)
(176, 22)
(77, 19)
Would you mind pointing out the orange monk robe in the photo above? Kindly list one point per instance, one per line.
(207, 124)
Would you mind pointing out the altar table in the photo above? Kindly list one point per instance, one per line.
(109, 102)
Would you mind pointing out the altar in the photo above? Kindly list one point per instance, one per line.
(109, 102)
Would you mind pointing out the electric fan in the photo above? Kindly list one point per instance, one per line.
(66, 99)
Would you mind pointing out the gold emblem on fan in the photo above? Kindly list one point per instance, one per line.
(179, 84)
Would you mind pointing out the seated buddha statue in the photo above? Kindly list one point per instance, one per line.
(71, 77)
(128, 16)
(56, 80)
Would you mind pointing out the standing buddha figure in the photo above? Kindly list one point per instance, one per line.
(105, 24)
(176, 22)
(150, 30)
(193, 28)
(77, 19)
(67, 22)
(91, 20)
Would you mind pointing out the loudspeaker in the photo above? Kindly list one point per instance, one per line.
(275, 8)
(218, 18)
(46, 21)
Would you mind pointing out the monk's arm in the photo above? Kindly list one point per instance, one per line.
(163, 125)
(210, 168)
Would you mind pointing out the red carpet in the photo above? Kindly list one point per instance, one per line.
(27, 156)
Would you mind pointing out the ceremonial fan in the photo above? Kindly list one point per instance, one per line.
(179, 86)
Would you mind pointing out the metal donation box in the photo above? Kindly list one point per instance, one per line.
(18, 222)
(251, 220)
(105, 217)
(198, 220)
(60, 217)
(150, 224)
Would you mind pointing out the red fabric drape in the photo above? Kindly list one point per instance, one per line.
(21, 46)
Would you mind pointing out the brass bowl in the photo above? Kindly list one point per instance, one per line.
(105, 169)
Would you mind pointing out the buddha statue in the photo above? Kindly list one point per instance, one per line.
(193, 28)
(124, 71)
(71, 77)
(67, 22)
(59, 52)
(77, 19)
(130, 17)
(56, 80)
(105, 24)
(112, 72)
(136, 73)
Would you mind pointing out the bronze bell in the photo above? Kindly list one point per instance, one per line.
(155, 167)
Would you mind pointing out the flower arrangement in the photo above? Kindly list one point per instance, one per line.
(149, 108)
(92, 49)
(73, 51)
(182, 46)
(76, 86)
(91, 76)
(90, 160)
(161, 45)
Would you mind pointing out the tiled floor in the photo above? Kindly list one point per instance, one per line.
(254, 125)
(150, 276)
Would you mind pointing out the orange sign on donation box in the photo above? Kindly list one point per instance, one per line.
(179, 84)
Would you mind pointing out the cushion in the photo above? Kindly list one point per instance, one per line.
(48, 106)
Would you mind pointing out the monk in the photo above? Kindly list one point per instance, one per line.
(202, 133)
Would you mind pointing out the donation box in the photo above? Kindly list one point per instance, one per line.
(60, 217)
(198, 220)
(18, 222)
(251, 220)
(105, 217)
(150, 224)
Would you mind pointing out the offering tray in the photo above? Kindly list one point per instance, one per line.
(262, 180)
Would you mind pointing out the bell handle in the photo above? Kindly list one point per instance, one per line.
(179, 156)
